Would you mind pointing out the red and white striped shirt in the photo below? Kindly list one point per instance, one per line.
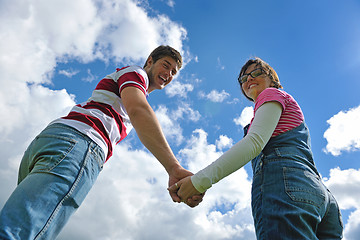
(291, 116)
(103, 116)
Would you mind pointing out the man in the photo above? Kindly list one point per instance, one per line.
(62, 163)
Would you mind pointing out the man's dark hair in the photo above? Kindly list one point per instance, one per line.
(165, 51)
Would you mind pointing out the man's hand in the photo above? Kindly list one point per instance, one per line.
(174, 177)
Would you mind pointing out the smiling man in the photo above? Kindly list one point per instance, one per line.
(62, 163)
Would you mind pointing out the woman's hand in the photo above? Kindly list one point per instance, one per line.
(186, 190)
(175, 175)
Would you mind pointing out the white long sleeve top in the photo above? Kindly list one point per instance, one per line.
(264, 123)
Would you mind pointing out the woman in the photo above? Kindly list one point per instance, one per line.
(289, 201)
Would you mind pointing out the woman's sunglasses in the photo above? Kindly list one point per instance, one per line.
(254, 73)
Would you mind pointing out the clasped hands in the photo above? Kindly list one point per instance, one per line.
(181, 189)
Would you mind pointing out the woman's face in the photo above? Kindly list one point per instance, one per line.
(255, 85)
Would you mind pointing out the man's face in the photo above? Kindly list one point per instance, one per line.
(161, 72)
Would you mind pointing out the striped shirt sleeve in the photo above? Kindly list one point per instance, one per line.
(132, 77)
(291, 116)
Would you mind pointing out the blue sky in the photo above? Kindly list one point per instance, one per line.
(53, 53)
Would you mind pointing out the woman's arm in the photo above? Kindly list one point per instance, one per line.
(265, 121)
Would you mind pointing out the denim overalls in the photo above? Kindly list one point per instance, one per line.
(289, 201)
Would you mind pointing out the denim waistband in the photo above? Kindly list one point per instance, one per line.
(296, 154)
(65, 130)
(69, 128)
(285, 151)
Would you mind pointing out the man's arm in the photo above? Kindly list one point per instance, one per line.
(150, 134)
(147, 127)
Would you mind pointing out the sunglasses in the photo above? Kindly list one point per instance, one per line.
(254, 73)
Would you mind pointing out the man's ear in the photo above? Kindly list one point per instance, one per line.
(149, 61)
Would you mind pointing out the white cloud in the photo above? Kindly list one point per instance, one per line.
(44, 32)
(176, 88)
(40, 33)
(127, 24)
(34, 37)
(215, 96)
(199, 153)
(169, 120)
(343, 133)
(200, 150)
(90, 77)
(224, 142)
(245, 116)
(32, 108)
(184, 111)
(130, 201)
(170, 127)
(352, 228)
(69, 73)
(219, 64)
(170, 3)
(345, 185)
(232, 193)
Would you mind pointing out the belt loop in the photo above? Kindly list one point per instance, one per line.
(261, 159)
(278, 153)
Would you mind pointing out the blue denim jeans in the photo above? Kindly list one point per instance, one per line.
(57, 171)
(289, 200)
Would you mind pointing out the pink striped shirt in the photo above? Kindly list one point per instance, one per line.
(103, 116)
(291, 115)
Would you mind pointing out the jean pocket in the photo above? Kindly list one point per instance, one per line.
(49, 151)
(301, 185)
